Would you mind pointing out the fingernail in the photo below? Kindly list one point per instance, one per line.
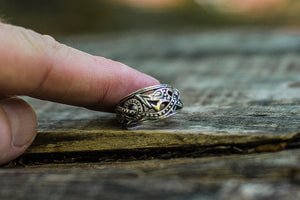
(23, 121)
(151, 80)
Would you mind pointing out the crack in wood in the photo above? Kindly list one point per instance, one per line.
(125, 155)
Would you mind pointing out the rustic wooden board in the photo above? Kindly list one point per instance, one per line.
(262, 176)
(238, 87)
(241, 90)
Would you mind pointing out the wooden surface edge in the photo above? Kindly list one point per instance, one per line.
(81, 141)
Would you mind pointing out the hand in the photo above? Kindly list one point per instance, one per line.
(38, 66)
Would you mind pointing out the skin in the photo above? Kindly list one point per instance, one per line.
(38, 66)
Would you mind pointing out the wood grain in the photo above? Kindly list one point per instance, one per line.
(257, 176)
(236, 86)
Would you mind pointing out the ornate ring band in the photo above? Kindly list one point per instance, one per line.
(149, 103)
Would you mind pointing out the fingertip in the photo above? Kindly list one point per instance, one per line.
(18, 124)
(122, 80)
(23, 121)
(52, 71)
(149, 80)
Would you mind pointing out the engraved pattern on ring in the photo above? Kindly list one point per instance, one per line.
(150, 103)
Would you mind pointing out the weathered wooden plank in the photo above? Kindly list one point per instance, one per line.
(236, 86)
(257, 176)
(189, 44)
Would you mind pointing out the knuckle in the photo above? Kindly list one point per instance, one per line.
(50, 42)
(30, 39)
(39, 43)
(54, 48)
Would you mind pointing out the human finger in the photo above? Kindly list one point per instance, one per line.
(38, 66)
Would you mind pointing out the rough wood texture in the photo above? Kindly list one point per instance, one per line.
(262, 176)
(237, 87)
(241, 91)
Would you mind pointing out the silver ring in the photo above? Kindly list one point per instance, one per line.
(149, 103)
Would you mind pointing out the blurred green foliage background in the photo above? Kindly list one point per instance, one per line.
(60, 17)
